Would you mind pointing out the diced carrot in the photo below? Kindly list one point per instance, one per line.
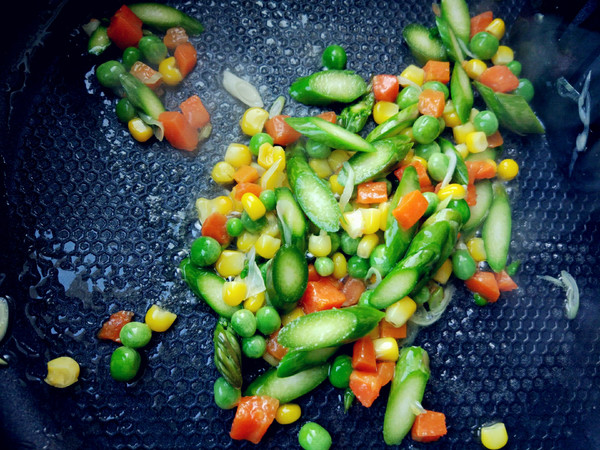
(253, 417)
(499, 79)
(178, 131)
(338, 284)
(365, 386)
(385, 372)
(372, 192)
(246, 174)
(363, 355)
(186, 57)
(385, 87)
(125, 28)
(410, 209)
(215, 227)
(429, 427)
(484, 284)
(471, 197)
(241, 188)
(352, 289)
(312, 273)
(321, 295)
(424, 180)
(495, 140)
(386, 329)
(329, 116)
(280, 131)
(480, 22)
(274, 348)
(437, 71)
(111, 329)
(432, 103)
(480, 170)
(175, 36)
(195, 112)
(505, 282)
(146, 75)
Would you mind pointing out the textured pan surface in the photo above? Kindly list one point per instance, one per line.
(97, 223)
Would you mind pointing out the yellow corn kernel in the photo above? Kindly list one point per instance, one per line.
(253, 206)
(269, 154)
(234, 292)
(222, 204)
(270, 359)
(383, 215)
(340, 265)
(266, 246)
(159, 319)
(408, 158)
(223, 172)
(398, 313)
(353, 223)
(496, 28)
(230, 263)
(272, 227)
(508, 169)
(462, 150)
(336, 187)
(246, 240)
(476, 249)
(170, 72)
(337, 159)
(503, 56)
(321, 167)
(386, 349)
(62, 372)
(291, 316)
(237, 205)
(371, 220)
(367, 244)
(451, 119)
(288, 413)
(238, 155)
(461, 131)
(204, 208)
(382, 111)
(472, 114)
(443, 273)
(414, 74)
(476, 142)
(139, 129)
(408, 132)
(423, 161)
(253, 120)
(255, 302)
(319, 245)
(454, 190)
(493, 163)
(494, 436)
(474, 68)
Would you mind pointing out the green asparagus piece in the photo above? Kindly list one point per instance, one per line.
(395, 124)
(141, 96)
(99, 41)
(164, 17)
(228, 354)
(348, 399)
(354, 117)
(329, 134)
(461, 92)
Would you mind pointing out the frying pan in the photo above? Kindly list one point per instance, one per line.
(95, 223)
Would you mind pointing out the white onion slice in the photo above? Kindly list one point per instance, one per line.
(91, 26)
(254, 280)
(406, 82)
(424, 318)
(277, 106)
(566, 282)
(241, 89)
(417, 408)
(451, 167)
(348, 187)
(373, 271)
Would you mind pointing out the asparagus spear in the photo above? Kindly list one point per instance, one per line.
(354, 117)
(228, 355)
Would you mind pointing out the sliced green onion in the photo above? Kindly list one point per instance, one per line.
(241, 89)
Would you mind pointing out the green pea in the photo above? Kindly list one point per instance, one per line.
(463, 264)
(234, 227)
(135, 334)
(437, 166)
(268, 320)
(484, 45)
(253, 226)
(426, 129)
(205, 251)
(317, 150)
(340, 371)
(433, 201)
(324, 266)
(422, 296)
(108, 73)
(334, 57)
(515, 67)
(525, 89)
(486, 121)
(408, 96)
(124, 363)
(426, 150)
(358, 267)
(152, 49)
(313, 436)
(479, 300)
(349, 244)
(462, 207)
(254, 347)
(257, 140)
(244, 323)
(363, 300)
(226, 396)
(125, 110)
(437, 86)
(335, 242)
(269, 199)
(131, 55)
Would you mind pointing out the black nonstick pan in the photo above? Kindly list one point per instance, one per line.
(94, 222)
